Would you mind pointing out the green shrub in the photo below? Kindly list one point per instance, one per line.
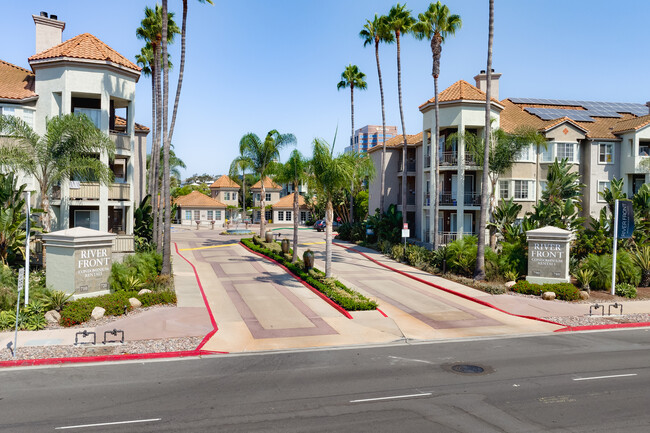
(463, 255)
(7, 320)
(626, 290)
(137, 271)
(56, 300)
(76, 312)
(584, 277)
(626, 270)
(157, 298)
(526, 288)
(8, 297)
(416, 256)
(563, 291)
(397, 252)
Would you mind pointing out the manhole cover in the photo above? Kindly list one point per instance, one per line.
(467, 368)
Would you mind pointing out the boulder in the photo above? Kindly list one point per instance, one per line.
(135, 303)
(143, 291)
(584, 295)
(52, 317)
(97, 313)
(509, 284)
(548, 296)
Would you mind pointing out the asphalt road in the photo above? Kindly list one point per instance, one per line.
(596, 381)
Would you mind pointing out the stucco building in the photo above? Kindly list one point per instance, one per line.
(272, 193)
(370, 136)
(197, 206)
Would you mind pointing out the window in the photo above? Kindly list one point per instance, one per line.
(268, 196)
(8, 111)
(542, 185)
(268, 215)
(602, 185)
(234, 196)
(226, 195)
(504, 189)
(210, 215)
(280, 215)
(188, 215)
(217, 214)
(644, 150)
(521, 190)
(606, 153)
(547, 154)
(525, 154)
(197, 215)
(93, 114)
(303, 217)
(258, 197)
(565, 150)
(86, 218)
(28, 117)
(287, 215)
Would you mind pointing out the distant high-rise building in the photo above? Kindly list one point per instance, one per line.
(369, 136)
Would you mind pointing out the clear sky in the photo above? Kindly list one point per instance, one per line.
(257, 65)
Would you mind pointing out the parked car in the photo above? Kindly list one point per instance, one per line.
(320, 225)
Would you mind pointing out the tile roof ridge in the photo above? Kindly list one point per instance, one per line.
(16, 67)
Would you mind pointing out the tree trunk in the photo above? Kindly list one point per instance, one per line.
(401, 115)
(436, 168)
(243, 200)
(352, 141)
(45, 201)
(150, 176)
(166, 266)
(155, 154)
(329, 216)
(262, 209)
(479, 271)
(383, 125)
(296, 217)
(181, 69)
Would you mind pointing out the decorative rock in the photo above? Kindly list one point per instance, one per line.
(584, 295)
(143, 291)
(97, 313)
(52, 316)
(135, 303)
(509, 284)
(548, 296)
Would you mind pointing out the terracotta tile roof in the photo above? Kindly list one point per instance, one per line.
(550, 124)
(459, 91)
(121, 122)
(85, 46)
(286, 202)
(15, 82)
(268, 184)
(198, 199)
(224, 182)
(398, 141)
(634, 123)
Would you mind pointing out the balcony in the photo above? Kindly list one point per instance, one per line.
(83, 190)
(469, 159)
(123, 244)
(448, 158)
(427, 161)
(427, 199)
(448, 237)
(447, 199)
(472, 199)
(119, 191)
(122, 141)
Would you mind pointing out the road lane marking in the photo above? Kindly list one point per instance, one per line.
(393, 397)
(410, 359)
(604, 377)
(205, 248)
(313, 243)
(108, 423)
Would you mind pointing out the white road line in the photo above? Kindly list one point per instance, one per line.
(107, 423)
(604, 377)
(399, 358)
(391, 397)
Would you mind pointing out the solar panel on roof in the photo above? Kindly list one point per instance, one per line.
(557, 113)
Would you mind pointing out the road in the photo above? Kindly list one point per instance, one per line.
(562, 382)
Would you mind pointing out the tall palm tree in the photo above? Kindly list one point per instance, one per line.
(65, 150)
(263, 156)
(350, 78)
(400, 21)
(479, 271)
(240, 165)
(375, 32)
(294, 171)
(436, 24)
(330, 174)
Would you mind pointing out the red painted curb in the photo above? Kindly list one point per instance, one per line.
(382, 313)
(319, 294)
(158, 355)
(599, 327)
(453, 292)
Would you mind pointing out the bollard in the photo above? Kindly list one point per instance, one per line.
(595, 307)
(114, 332)
(615, 305)
(85, 333)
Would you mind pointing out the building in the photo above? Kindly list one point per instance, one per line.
(283, 210)
(83, 75)
(603, 140)
(370, 136)
(226, 191)
(197, 206)
(272, 191)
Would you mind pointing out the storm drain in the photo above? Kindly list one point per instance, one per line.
(468, 369)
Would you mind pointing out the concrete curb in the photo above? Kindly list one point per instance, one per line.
(453, 292)
(601, 327)
(132, 356)
(316, 292)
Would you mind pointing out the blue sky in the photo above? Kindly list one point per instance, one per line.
(256, 65)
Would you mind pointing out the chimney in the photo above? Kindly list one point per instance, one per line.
(481, 83)
(48, 31)
(647, 104)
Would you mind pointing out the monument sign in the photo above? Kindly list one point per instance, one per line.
(548, 255)
(78, 261)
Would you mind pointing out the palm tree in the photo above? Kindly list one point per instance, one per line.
(330, 174)
(240, 165)
(374, 32)
(294, 171)
(479, 271)
(65, 150)
(400, 21)
(352, 77)
(263, 156)
(436, 24)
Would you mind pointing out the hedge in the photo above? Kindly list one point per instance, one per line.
(342, 295)
(563, 291)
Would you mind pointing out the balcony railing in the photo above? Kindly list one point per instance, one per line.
(469, 159)
(119, 191)
(410, 200)
(427, 161)
(448, 158)
(472, 199)
(410, 165)
(449, 237)
(123, 244)
(86, 191)
(447, 199)
(427, 199)
(122, 141)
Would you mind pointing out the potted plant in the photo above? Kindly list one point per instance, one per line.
(308, 259)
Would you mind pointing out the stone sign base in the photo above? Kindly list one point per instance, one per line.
(548, 255)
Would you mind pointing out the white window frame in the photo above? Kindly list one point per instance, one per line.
(574, 155)
(197, 215)
(188, 215)
(288, 216)
(217, 215)
(530, 152)
(606, 184)
(94, 114)
(523, 185)
(258, 197)
(268, 196)
(226, 195)
(210, 215)
(606, 146)
(280, 215)
(507, 184)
